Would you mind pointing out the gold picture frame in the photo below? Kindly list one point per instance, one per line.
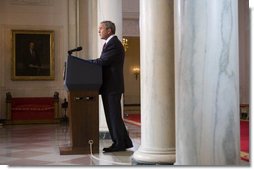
(33, 55)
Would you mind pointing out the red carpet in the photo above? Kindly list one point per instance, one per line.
(32, 108)
(133, 119)
(244, 131)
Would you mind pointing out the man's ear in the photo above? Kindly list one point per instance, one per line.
(109, 31)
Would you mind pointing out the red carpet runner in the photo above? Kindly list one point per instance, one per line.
(244, 131)
(133, 119)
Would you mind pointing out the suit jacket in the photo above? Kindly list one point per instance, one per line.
(31, 59)
(112, 60)
(34, 60)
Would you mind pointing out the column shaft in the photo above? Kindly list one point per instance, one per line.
(72, 24)
(108, 10)
(207, 82)
(92, 29)
(157, 83)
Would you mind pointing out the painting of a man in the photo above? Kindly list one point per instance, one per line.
(33, 55)
(31, 61)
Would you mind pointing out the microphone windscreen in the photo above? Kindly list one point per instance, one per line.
(79, 48)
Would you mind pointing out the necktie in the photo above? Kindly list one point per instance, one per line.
(104, 46)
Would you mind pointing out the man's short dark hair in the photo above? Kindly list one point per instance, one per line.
(110, 25)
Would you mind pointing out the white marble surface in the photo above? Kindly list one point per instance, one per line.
(157, 83)
(207, 82)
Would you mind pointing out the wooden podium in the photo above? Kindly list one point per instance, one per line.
(82, 80)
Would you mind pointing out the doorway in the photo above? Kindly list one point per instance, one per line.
(132, 76)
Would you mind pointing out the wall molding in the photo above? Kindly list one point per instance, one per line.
(31, 2)
(131, 27)
(131, 15)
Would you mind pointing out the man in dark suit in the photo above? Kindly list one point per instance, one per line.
(31, 61)
(112, 60)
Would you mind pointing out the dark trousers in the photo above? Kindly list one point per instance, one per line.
(113, 114)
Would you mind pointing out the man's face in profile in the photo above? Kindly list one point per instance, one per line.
(31, 45)
(104, 33)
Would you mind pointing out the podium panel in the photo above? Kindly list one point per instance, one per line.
(82, 81)
(84, 122)
(82, 75)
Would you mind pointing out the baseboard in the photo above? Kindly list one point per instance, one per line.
(22, 122)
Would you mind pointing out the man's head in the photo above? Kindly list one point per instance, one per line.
(106, 29)
(31, 45)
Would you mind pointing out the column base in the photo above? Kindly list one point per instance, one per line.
(134, 162)
(142, 157)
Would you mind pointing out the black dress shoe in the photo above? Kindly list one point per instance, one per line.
(113, 145)
(128, 145)
(114, 149)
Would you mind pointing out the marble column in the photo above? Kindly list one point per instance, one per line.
(83, 27)
(92, 30)
(207, 82)
(157, 83)
(78, 26)
(72, 24)
(108, 10)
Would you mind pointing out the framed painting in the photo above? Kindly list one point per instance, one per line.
(33, 55)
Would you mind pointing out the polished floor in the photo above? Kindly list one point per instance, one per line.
(38, 145)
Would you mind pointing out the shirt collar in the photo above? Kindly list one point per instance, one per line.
(109, 38)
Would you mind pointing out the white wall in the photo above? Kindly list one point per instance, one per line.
(132, 58)
(48, 15)
(131, 18)
(32, 15)
(244, 51)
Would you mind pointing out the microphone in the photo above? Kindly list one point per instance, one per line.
(75, 49)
